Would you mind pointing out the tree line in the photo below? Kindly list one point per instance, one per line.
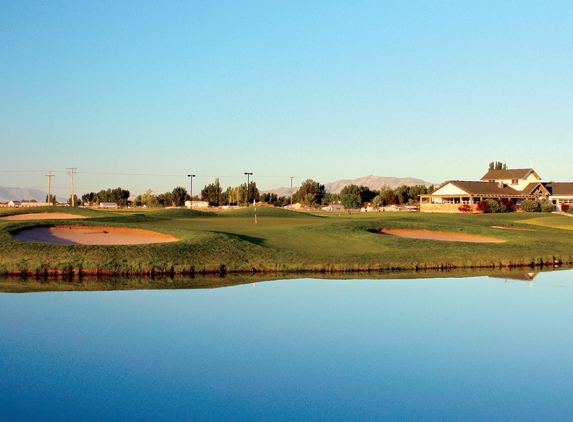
(311, 194)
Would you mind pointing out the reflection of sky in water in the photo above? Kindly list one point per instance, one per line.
(298, 349)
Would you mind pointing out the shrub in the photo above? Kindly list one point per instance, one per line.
(482, 206)
(529, 205)
(465, 208)
(509, 204)
(546, 207)
(570, 210)
(495, 206)
(565, 207)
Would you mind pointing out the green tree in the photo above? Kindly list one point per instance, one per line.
(230, 196)
(178, 196)
(310, 193)
(362, 193)
(212, 193)
(329, 198)
(269, 197)
(77, 201)
(529, 205)
(377, 201)
(350, 200)
(90, 198)
(253, 193)
(146, 199)
(52, 199)
(165, 199)
(401, 194)
(388, 196)
(414, 193)
(495, 206)
(498, 165)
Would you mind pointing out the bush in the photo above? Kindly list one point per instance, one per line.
(565, 207)
(495, 206)
(570, 210)
(528, 205)
(546, 207)
(482, 206)
(509, 204)
(464, 208)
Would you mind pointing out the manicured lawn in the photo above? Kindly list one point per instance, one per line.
(289, 241)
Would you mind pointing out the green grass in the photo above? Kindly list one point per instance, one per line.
(283, 241)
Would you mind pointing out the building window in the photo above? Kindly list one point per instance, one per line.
(514, 181)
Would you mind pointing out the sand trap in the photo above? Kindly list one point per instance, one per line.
(89, 235)
(42, 216)
(445, 236)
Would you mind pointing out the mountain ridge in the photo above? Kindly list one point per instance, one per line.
(8, 194)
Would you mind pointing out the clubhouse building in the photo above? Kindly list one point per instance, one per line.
(503, 185)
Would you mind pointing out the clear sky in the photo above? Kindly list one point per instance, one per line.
(139, 94)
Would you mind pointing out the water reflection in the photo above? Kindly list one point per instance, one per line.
(31, 284)
(300, 349)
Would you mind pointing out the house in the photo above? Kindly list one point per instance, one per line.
(108, 204)
(197, 205)
(392, 208)
(34, 204)
(14, 204)
(333, 206)
(559, 193)
(514, 185)
(365, 208)
(517, 179)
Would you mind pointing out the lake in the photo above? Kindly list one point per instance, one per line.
(304, 349)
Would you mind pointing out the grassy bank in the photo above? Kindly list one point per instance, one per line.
(285, 241)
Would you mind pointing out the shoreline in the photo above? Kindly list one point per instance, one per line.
(73, 273)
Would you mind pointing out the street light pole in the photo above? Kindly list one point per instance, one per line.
(248, 174)
(291, 192)
(191, 176)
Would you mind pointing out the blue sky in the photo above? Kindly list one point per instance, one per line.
(140, 94)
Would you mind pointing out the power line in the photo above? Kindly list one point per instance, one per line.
(49, 175)
(71, 170)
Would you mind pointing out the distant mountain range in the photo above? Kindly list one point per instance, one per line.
(372, 182)
(19, 194)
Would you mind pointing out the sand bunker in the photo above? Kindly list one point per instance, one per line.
(90, 235)
(42, 216)
(445, 236)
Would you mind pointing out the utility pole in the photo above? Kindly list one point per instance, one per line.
(191, 176)
(248, 174)
(71, 171)
(291, 191)
(50, 175)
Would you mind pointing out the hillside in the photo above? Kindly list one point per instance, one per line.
(373, 182)
(19, 194)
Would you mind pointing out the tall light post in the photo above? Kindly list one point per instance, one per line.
(291, 191)
(191, 176)
(248, 174)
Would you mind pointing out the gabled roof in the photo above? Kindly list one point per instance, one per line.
(559, 188)
(509, 174)
(532, 187)
(484, 188)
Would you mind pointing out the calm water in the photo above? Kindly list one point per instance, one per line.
(435, 349)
